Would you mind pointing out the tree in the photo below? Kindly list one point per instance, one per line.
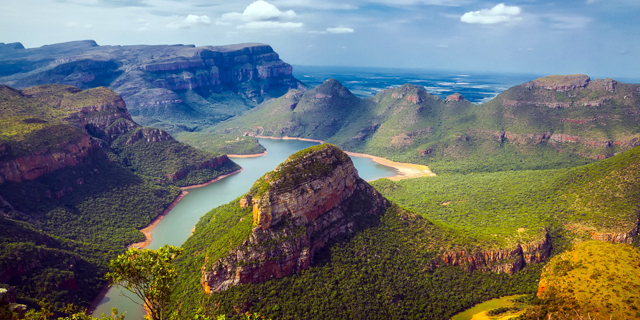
(149, 274)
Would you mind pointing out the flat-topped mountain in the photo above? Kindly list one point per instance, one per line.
(168, 85)
(549, 122)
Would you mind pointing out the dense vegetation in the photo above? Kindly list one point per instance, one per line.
(221, 143)
(364, 277)
(59, 230)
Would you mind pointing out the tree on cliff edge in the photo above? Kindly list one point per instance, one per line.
(149, 274)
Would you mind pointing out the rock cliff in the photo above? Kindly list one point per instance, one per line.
(168, 83)
(502, 260)
(313, 197)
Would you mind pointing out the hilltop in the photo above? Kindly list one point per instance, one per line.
(78, 177)
(173, 87)
(550, 122)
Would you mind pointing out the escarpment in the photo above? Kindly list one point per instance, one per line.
(501, 260)
(313, 197)
(176, 84)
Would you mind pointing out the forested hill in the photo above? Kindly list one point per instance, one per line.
(550, 122)
(78, 177)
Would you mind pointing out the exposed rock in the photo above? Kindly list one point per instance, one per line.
(456, 97)
(504, 260)
(35, 165)
(149, 135)
(313, 197)
(562, 82)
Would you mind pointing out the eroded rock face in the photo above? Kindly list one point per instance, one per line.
(305, 202)
(503, 260)
(35, 165)
(456, 97)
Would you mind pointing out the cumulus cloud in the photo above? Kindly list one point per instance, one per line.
(340, 30)
(498, 14)
(260, 14)
(190, 21)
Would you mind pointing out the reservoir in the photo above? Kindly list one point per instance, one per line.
(176, 227)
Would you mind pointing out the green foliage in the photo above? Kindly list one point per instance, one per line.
(170, 161)
(511, 132)
(220, 143)
(149, 274)
(383, 272)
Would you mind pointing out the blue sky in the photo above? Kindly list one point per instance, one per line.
(597, 37)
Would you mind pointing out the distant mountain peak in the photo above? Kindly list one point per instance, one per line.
(332, 88)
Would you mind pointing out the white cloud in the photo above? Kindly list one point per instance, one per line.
(259, 11)
(340, 30)
(498, 14)
(270, 25)
(193, 19)
(261, 14)
(188, 22)
(337, 30)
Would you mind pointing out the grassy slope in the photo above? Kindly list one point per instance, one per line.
(595, 278)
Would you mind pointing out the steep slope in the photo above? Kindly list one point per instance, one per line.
(595, 279)
(174, 87)
(319, 113)
(312, 240)
(551, 122)
(66, 181)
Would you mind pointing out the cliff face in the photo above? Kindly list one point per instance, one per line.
(504, 260)
(162, 82)
(313, 197)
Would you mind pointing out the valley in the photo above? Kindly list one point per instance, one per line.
(486, 200)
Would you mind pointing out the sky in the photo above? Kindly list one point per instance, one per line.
(598, 37)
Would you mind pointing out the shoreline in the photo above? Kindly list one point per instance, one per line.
(405, 170)
(252, 155)
(147, 231)
(94, 304)
(289, 138)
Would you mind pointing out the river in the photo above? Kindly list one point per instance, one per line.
(176, 227)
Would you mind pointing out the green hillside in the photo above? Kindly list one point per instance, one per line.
(78, 178)
(533, 126)
(391, 269)
(220, 143)
(593, 279)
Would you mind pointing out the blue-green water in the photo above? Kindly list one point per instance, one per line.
(176, 227)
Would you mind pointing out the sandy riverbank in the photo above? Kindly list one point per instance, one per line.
(405, 170)
(147, 230)
(254, 155)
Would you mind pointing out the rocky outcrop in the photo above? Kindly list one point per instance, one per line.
(148, 135)
(561, 82)
(456, 97)
(153, 80)
(313, 197)
(502, 260)
(32, 166)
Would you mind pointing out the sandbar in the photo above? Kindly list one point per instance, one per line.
(405, 170)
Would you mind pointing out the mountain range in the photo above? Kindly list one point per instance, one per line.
(522, 179)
